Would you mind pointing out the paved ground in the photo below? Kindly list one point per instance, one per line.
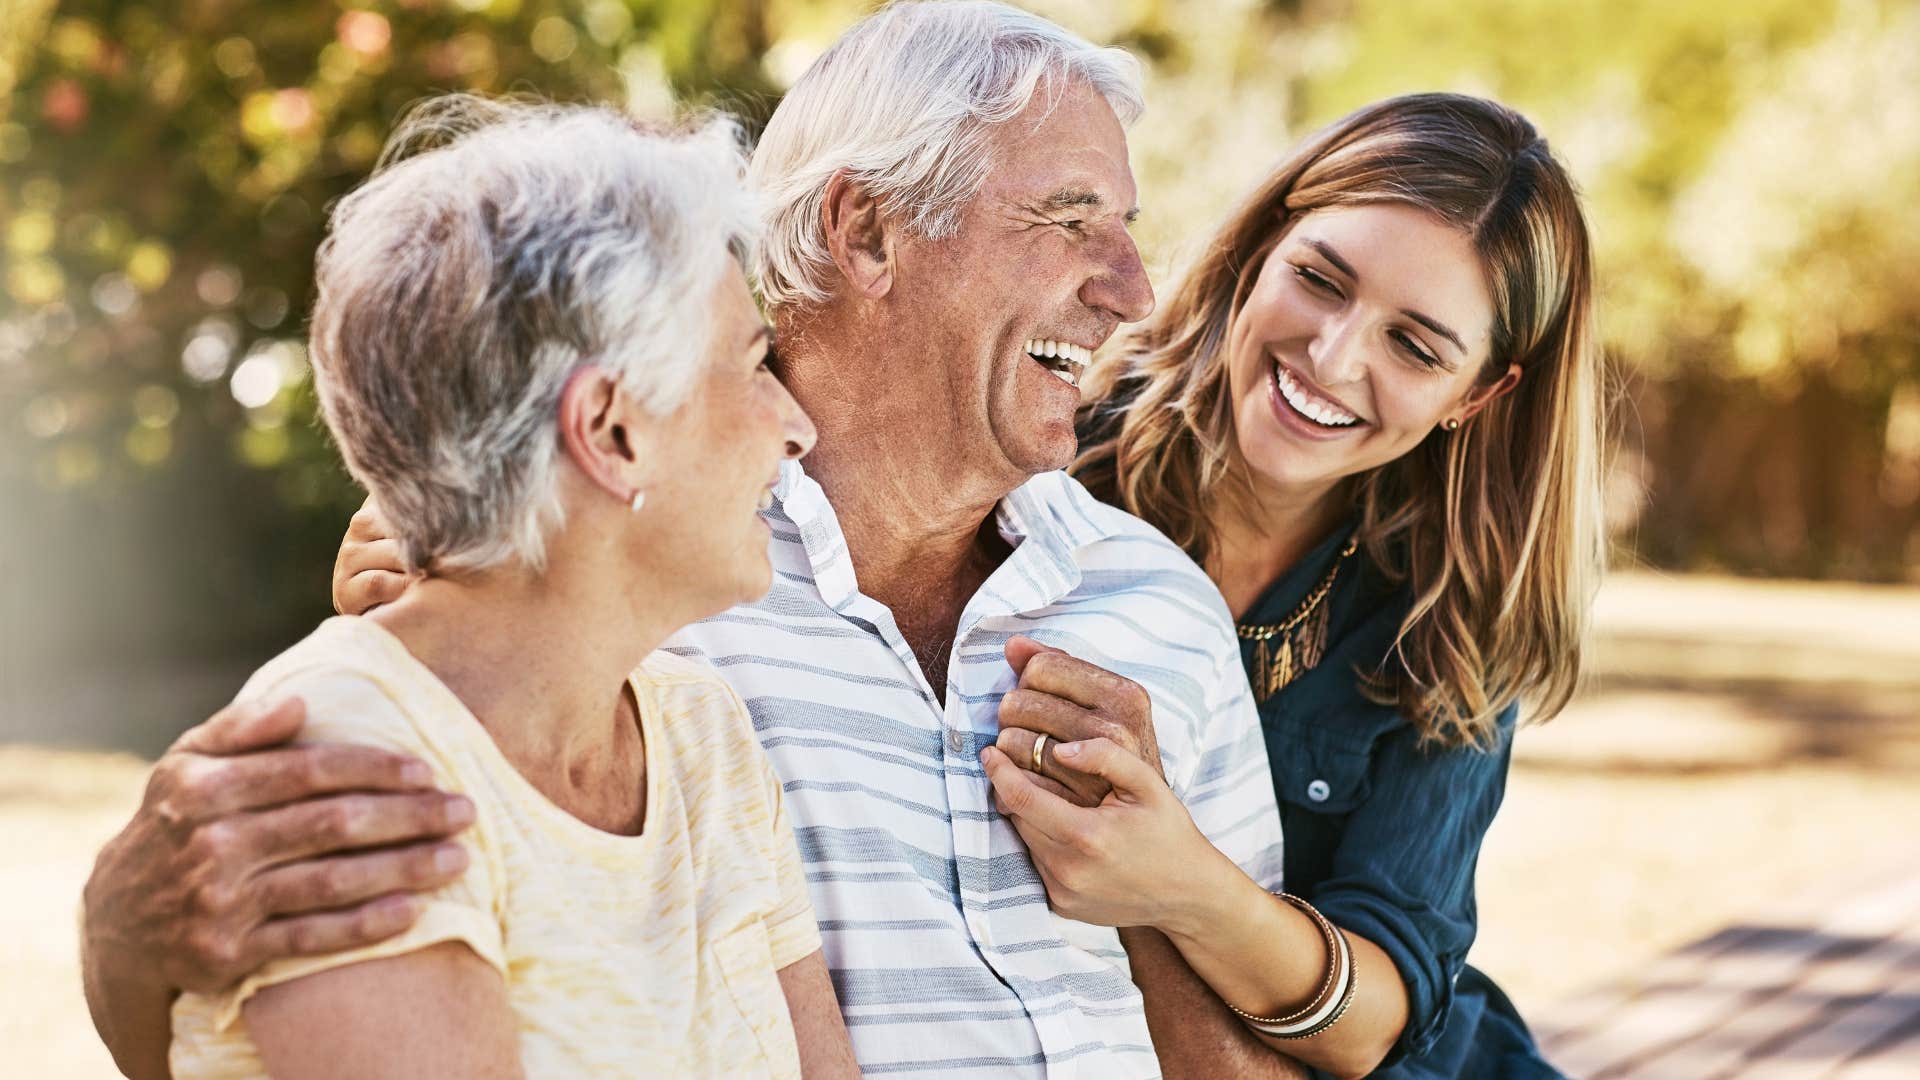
(1740, 743)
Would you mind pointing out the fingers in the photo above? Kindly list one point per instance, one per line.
(351, 822)
(1021, 798)
(369, 589)
(1055, 672)
(350, 880)
(334, 931)
(1128, 776)
(1039, 711)
(1021, 648)
(368, 571)
(246, 726)
(368, 523)
(1018, 743)
(208, 788)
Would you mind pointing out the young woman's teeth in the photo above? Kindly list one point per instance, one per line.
(1063, 358)
(1319, 410)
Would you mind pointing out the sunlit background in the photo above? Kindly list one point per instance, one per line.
(169, 506)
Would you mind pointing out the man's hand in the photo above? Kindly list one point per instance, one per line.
(1070, 700)
(367, 572)
(247, 849)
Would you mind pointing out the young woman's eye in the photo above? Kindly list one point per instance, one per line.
(1414, 350)
(1316, 280)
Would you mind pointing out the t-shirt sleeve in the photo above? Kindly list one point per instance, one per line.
(352, 707)
(1229, 789)
(792, 932)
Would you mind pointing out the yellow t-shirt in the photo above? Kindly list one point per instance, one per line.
(624, 956)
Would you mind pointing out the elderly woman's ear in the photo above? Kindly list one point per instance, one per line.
(859, 236)
(602, 429)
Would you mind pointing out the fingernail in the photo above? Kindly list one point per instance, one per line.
(1066, 750)
(448, 858)
(459, 810)
(416, 774)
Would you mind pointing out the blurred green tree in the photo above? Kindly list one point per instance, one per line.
(165, 171)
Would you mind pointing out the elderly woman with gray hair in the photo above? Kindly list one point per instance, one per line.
(535, 346)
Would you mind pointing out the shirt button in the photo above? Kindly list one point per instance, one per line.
(1318, 791)
(956, 740)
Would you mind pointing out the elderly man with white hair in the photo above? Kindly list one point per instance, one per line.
(949, 199)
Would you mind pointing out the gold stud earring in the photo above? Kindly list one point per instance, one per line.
(639, 499)
(1452, 423)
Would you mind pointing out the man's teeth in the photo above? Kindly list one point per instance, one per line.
(1069, 359)
(1319, 410)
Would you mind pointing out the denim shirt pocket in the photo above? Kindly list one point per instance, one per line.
(1317, 769)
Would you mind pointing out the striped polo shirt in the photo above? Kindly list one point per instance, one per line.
(944, 953)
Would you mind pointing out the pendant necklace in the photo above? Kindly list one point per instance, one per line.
(1291, 647)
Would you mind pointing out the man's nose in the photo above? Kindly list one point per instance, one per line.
(797, 426)
(1120, 284)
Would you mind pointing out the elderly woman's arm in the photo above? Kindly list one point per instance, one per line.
(437, 1012)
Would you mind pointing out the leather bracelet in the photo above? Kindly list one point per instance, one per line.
(1319, 1000)
(1328, 1011)
(1346, 999)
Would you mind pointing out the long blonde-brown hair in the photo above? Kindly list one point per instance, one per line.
(1495, 527)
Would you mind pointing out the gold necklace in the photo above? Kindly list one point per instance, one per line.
(1302, 637)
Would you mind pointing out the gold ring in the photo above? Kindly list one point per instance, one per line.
(1039, 750)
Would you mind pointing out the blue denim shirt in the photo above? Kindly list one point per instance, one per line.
(1382, 834)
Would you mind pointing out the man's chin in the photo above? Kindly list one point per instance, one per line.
(1045, 455)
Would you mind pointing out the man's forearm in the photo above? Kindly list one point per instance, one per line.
(133, 1016)
(1193, 1032)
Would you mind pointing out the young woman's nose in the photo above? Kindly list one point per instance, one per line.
(1334, 355)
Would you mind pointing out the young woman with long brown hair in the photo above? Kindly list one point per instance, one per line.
(1371, 409)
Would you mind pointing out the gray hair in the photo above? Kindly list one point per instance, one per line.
(903, 104)
(500, 248)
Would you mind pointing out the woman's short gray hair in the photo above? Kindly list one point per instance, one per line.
(499, 248)
(903, 104)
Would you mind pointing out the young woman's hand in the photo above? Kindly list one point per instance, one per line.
(1135, 859)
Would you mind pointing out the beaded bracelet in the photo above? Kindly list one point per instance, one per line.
(1311, 1029)
(1328, 933)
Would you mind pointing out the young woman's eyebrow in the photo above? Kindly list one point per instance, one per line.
(1328, 253)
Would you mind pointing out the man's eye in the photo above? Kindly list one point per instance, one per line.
(1072, 225)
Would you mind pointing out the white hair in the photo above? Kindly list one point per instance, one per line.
(500, 248)
(903, 104)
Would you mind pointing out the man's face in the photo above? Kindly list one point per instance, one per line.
(1042, 263)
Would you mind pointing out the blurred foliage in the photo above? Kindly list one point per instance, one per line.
(1751, 169)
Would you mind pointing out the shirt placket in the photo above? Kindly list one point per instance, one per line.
(1030, 579)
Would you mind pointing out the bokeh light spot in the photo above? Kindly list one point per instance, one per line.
(256, 381)
(155, 406)
(218, 285)
(114, 294)
(234, 58)
(263, 448)
(33, 282)
(30, 233)
(149, 265)
(554, 39)
(46, 416)
(149, 446)
(365, 32)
